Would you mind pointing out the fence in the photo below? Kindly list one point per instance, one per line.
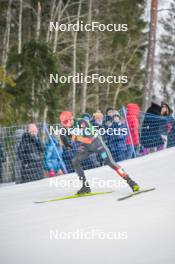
(27, 154)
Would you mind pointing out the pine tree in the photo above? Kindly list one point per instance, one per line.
(167, 55)
(33, 92)
(34, 53)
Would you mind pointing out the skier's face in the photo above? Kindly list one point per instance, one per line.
(68, 123)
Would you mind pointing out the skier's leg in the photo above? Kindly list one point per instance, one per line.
(81, 155)
(105, 154)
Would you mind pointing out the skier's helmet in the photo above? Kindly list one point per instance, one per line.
(66, 118)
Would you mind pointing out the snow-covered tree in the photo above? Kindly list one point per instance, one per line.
(167, 55)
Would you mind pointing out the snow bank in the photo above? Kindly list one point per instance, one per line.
(143, 225)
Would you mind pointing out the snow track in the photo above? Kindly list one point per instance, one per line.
(145, 224)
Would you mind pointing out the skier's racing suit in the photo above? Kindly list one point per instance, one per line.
(91, 142)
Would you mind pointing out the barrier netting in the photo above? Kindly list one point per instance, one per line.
(29, 153)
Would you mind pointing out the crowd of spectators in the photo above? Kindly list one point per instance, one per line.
(37, 158)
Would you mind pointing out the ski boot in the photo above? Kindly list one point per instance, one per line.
(134, 186)
(85, 188)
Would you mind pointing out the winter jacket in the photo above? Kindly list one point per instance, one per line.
(152, 127)
(171, 135)
(117, 141)
(154, 109)
(108, 120)
(30, 148)
(29, 152)
(132, 115)
(52, 155)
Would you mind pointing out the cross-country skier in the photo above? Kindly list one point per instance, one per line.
(90, 142)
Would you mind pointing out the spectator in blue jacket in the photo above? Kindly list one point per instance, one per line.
(53, 154)
(116, 142)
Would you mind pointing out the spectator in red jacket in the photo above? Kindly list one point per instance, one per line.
(132, 140)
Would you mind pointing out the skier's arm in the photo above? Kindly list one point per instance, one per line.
(65, 141)
(86, 140)
(85, 137)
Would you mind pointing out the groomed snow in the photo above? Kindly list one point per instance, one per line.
(145, 222)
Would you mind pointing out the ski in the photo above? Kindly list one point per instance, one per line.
(135, 193)
(73, 197)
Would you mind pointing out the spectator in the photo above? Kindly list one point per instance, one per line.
(53, 153)
(132, 140)
(116, 143)
(108, 116)
(171, 135)
(97, 120)
(150, 131)
(2, 159)
(29, 152)
(166, 124)
(18, 165)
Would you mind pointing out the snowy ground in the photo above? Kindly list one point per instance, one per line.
(144, 225)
